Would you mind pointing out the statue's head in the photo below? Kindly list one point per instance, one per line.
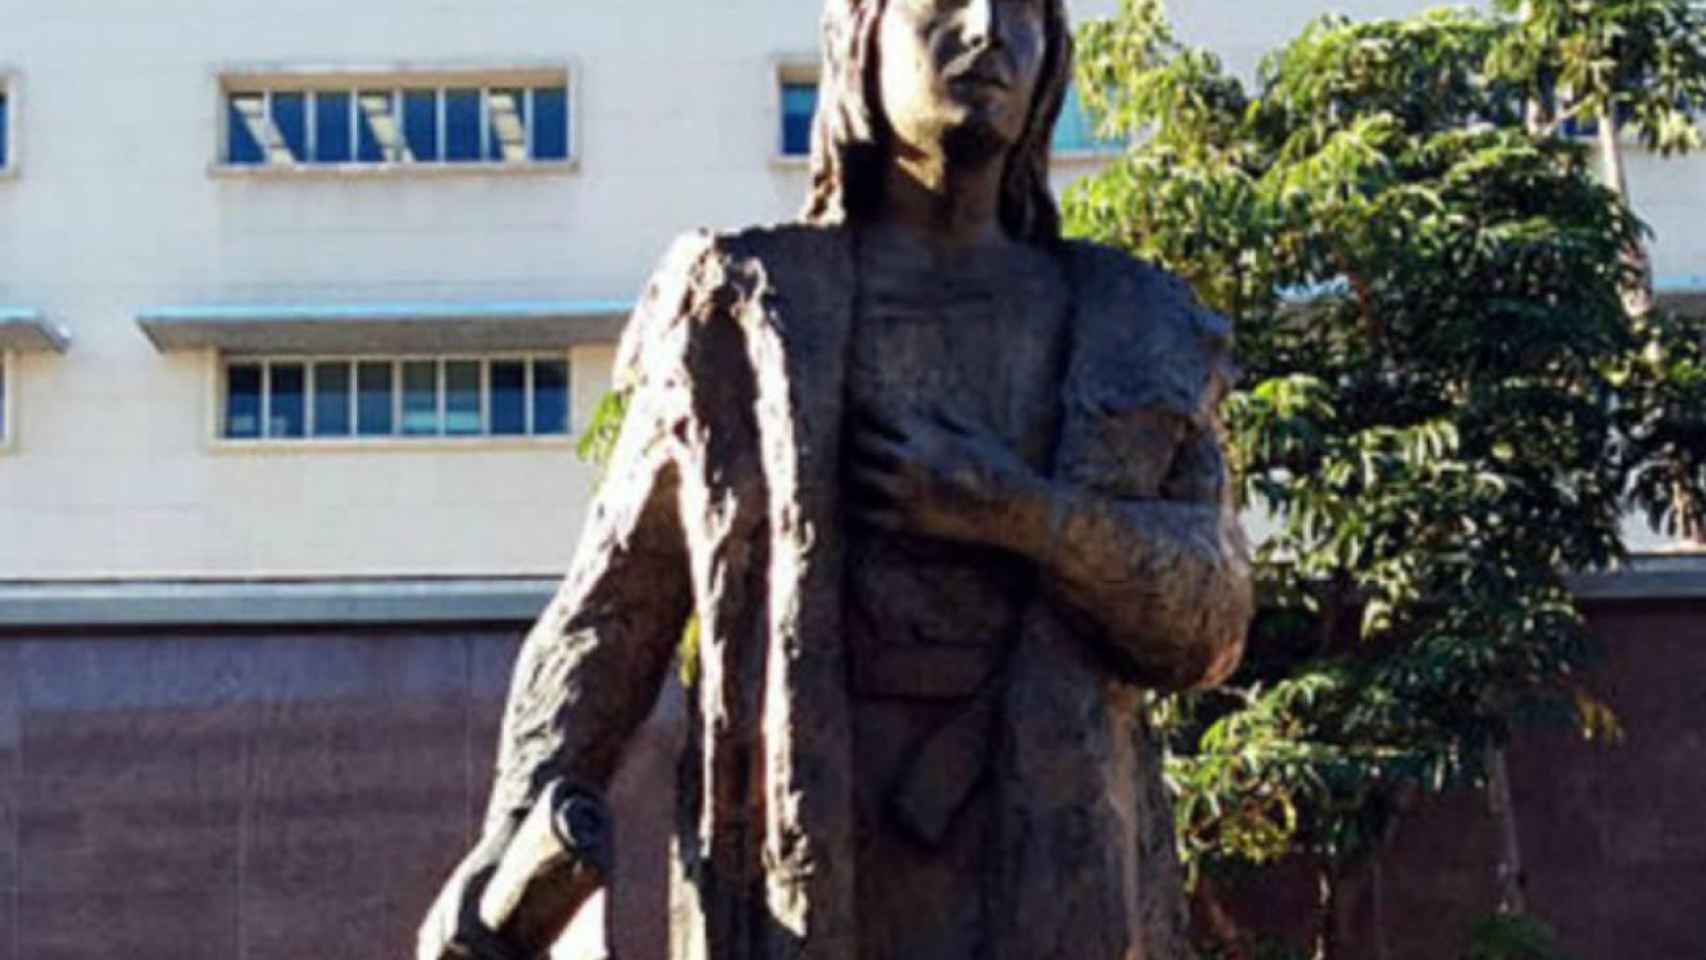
(974, 78)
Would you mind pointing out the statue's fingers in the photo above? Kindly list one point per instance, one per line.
(878, 448)
(884, 484)
(875, 421)
(891, 520)
(955, 422)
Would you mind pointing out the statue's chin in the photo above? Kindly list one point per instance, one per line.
(976, 141)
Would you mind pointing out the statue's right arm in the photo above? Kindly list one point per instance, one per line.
(591, 668)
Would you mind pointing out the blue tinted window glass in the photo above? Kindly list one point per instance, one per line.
(420, 124)
(287, 415)
(1072, 131)
(509, 398)
(331, 400)
(374, 409)
(332, 128)
(461, 125)
(462, 398)
(243, 401)
(290, 116)
(550, 397)
(420, 398)
(1076, 130)
(551, 123)
(507, 120)
(5, 136)
(376, 128)
(799, 106)
(240, 112)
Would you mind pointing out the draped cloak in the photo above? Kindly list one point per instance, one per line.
(721, 519)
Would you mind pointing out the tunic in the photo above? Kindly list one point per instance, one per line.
(930, 624)
(724, 505)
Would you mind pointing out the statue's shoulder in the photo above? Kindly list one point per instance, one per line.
(1141, 335)
(707, 277)
(757, 254)
(1140, 292)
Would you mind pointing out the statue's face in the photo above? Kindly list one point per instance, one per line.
(960, 75)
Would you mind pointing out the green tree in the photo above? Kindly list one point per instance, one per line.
(1453, 389)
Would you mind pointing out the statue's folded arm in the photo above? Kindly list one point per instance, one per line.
(1164, 580)
(591, 668)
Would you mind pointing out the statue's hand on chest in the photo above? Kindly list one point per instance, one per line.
(938, 476)
(955, 399)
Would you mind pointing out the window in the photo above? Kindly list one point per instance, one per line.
(1075, 132)
(797, 93)
(403, 398)
(328, 121)
(22, 330)
(5, 125)
(5, 399)
(799, 108)
(1587, 127)
(795, 85)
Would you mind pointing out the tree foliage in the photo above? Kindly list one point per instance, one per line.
(1446, 408)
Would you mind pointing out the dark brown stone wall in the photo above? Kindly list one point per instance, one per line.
(283, 795)
(1613, 837)
(237, 795)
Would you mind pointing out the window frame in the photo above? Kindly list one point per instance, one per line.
(1096, 153)
(11, 84)
(397, 439)
(8, 401)
(786, 69)
(793, 68)
(395, 79)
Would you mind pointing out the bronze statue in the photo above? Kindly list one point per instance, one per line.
(945, 495)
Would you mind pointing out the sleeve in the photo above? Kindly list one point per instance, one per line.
(1166, 582)
(591, 668)
(1146, 541)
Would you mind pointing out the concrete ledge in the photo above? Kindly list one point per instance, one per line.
(27, 330)
(384, 328)
(26, 605)
(208, 603)
(1657, 576)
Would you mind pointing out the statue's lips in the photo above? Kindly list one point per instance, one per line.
(979, 80)
(978, 87)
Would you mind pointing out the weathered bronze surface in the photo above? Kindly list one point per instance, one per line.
(945, 494)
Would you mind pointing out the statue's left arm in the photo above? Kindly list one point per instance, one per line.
(1135, 533)
(1160, 577)
(1164, 583)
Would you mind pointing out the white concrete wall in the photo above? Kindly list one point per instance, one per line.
(113, 473)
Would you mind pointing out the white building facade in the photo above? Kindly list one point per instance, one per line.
(140, 255)
(302, 306)
(143, 251)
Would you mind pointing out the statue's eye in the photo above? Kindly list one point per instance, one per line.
(1023, 7)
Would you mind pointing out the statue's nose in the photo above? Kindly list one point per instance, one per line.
(980, 23)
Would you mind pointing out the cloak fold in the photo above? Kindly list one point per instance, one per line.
(736, 365)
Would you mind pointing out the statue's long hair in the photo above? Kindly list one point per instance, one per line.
(850, 136)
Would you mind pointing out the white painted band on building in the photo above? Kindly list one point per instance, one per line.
(385, 328)
(207, 603)
(27, 330)
(422, 600)
(1653, 576)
